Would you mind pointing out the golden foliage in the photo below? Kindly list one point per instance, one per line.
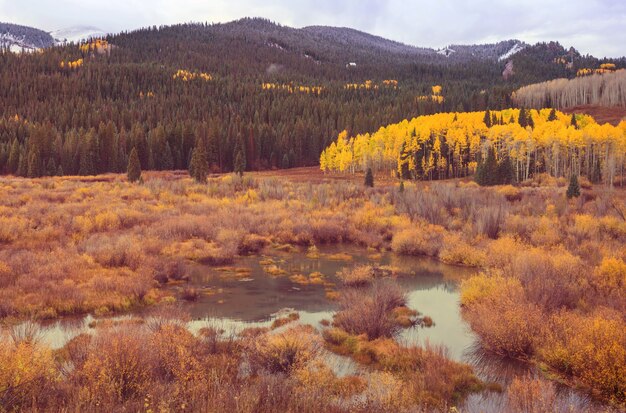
(186, 76)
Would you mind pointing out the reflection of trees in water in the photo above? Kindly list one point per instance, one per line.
(493, 368)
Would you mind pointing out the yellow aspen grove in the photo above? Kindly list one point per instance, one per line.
(451, 145)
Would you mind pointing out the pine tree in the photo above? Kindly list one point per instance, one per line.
(285, 163)
(199, 166)
(34, 163)
(14, 157)
(22, 168)
(573, 190)
(240, 157)
(530, 120)
(523, 118)
(487, 119)
(134, 166)
(51, 167)
(487, 170)
(401, 188)
(369, 178)
(505, 173)
(574, 123)
(552, 116)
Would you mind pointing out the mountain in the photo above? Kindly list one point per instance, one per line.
(22, 38)
(354, 45)
(76, 34)
(278, 94)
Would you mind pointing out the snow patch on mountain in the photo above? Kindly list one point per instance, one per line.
(76, 34)
(518, 47)
(446, 51)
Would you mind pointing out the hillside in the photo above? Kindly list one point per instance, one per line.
(22, 38)
(605, 88)
(275, 94)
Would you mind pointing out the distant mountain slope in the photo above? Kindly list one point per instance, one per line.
(22, 38)
(76, 34)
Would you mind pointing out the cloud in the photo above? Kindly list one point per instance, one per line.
(592, 26)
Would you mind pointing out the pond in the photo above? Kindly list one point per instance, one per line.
(262, 288)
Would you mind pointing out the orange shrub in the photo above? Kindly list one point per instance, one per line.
(422, 240)
(27, 373)
(591, 348)
(497, 309)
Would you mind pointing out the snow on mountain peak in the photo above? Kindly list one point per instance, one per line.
(446, 51)
(76, 34)
(517, 47)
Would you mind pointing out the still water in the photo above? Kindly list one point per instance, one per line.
(262, 288)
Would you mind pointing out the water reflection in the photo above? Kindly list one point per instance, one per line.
(247, 296)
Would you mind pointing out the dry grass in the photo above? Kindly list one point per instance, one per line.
(101, 245)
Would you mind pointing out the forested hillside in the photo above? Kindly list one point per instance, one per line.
(276, 95)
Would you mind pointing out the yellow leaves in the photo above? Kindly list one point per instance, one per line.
(367, 85)
(106, 221)
(592, 348)
(71, 65)
(12, 228)
(25, 369)
(436, 90)
(291, 88)
(187, 76)
(610, 276)
(97, 45)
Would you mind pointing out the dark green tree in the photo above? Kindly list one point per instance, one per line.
(285, 162)
(369, 178)
(505, 173)
(134, 166)
(487, 170)
(199, 166)
(573, 190)
(51, 167)
(240, 157)
(487, 119)
(14, 157)
(574, 123)
(552, 116)
(523, 118)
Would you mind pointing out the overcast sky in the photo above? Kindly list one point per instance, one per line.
(597, 27)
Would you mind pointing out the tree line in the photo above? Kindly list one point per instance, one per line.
(508, 145)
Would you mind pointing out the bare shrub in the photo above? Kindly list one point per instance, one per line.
(114, 251)
(531, 395)
(490, 220)
(285, 351)
(370, 311)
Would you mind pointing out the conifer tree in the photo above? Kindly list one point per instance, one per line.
(552, 116)
(51, 167)
(487, 119)
(505, 173)
(199, 166)
(240, 157)
(487, 170)
(14, 157)
(134, 166)
(573, 121)
(369, 178)
(523, 118)
(573, 190)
